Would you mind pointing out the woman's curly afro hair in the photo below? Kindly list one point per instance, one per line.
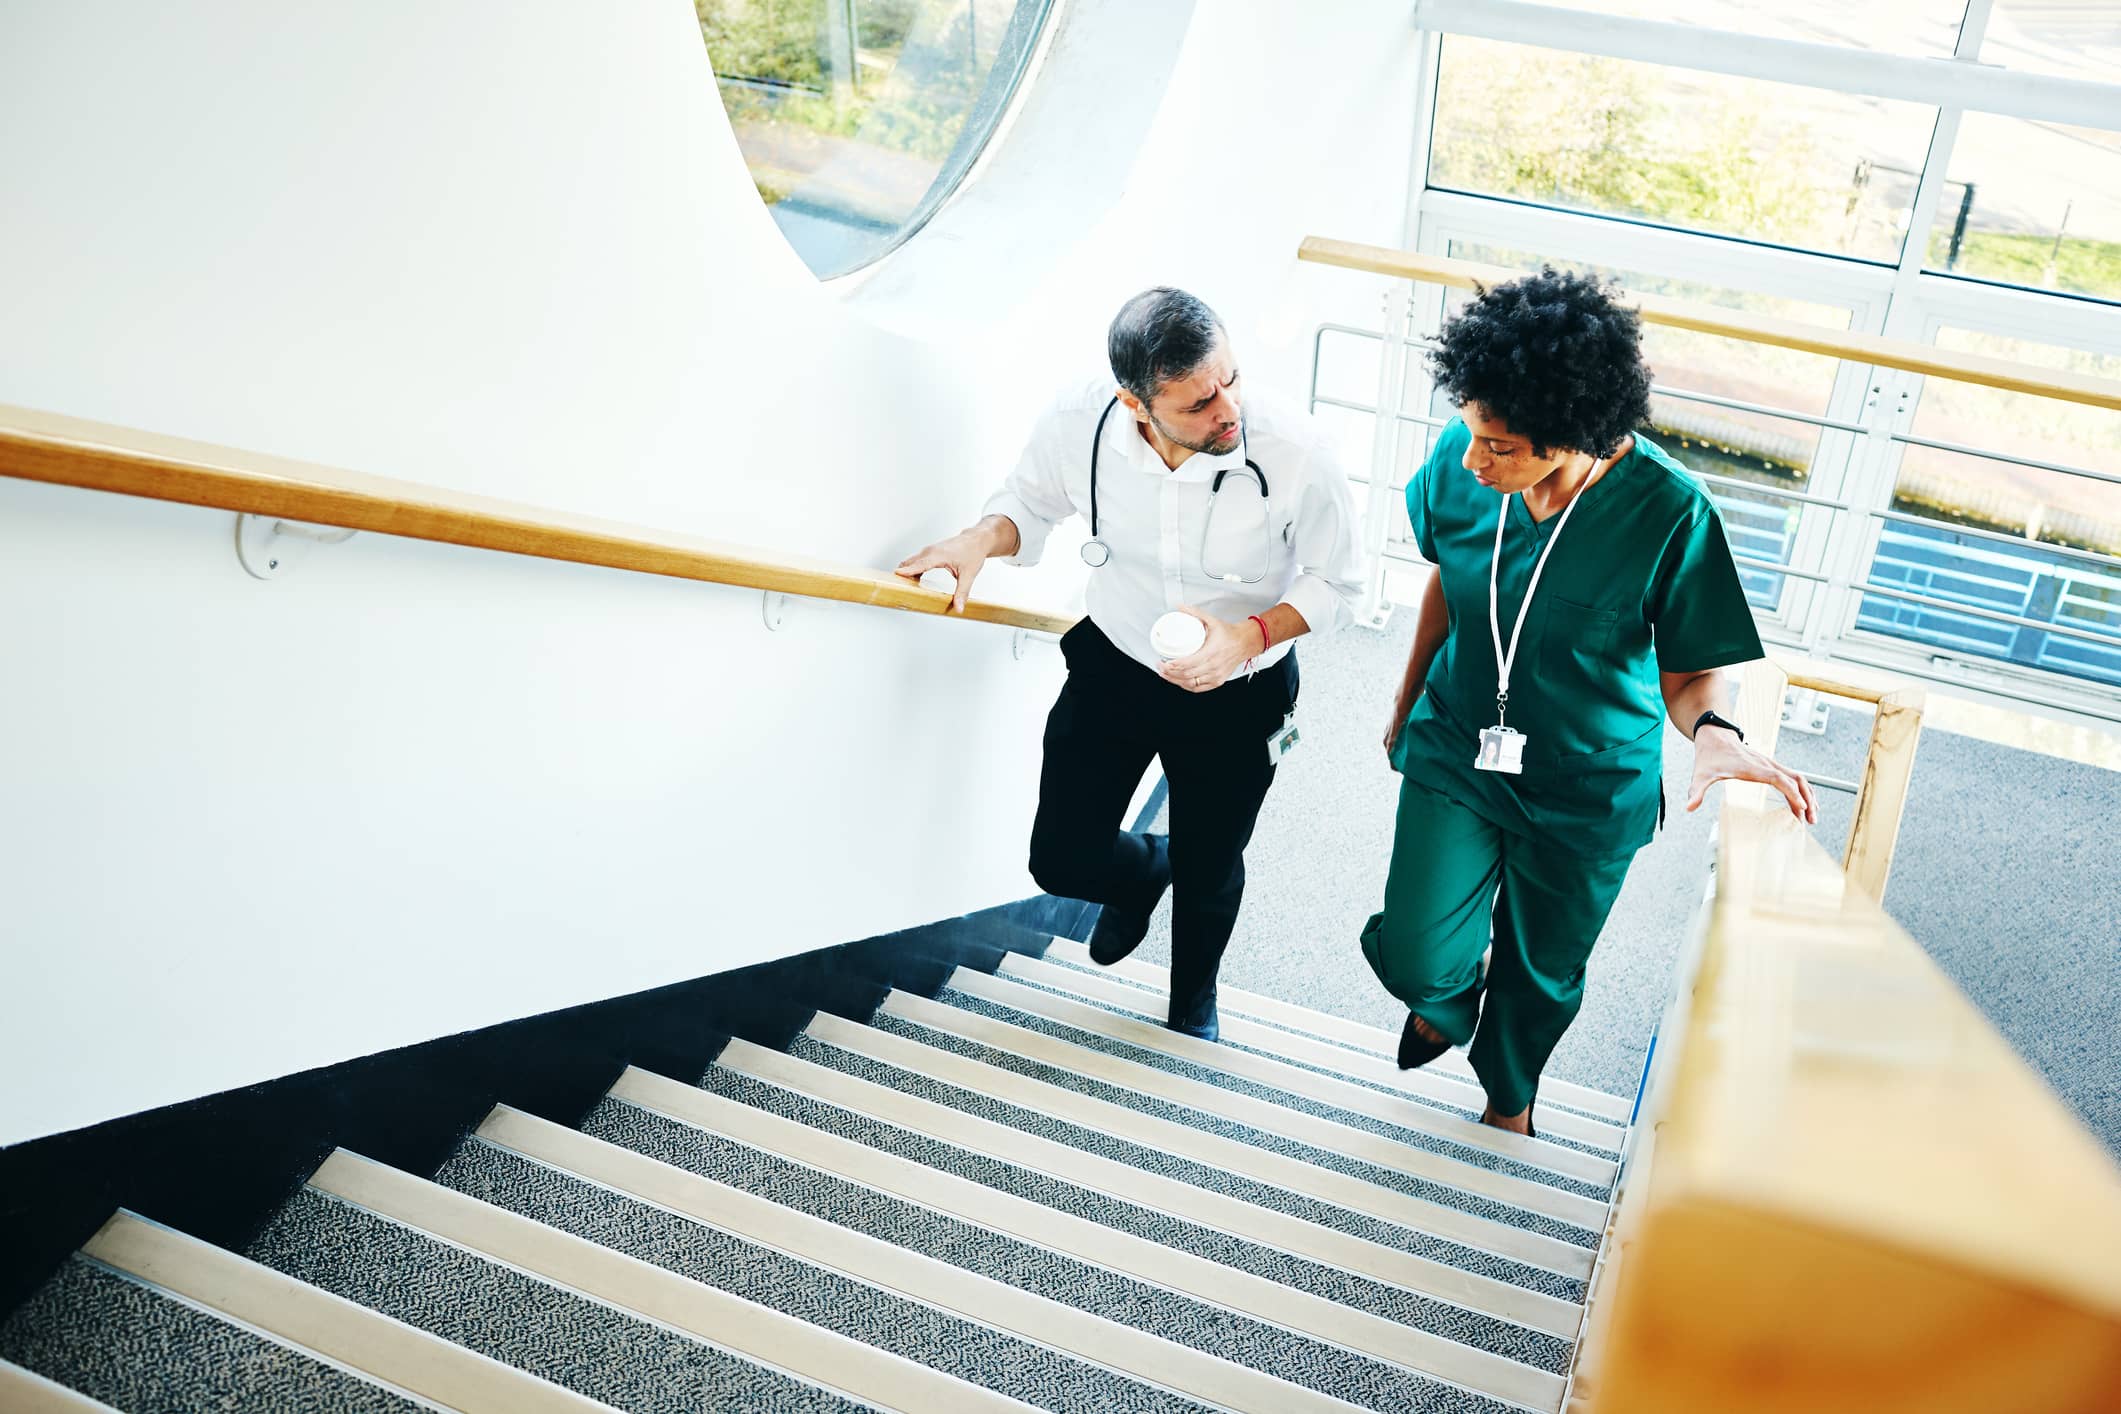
(1552, 356)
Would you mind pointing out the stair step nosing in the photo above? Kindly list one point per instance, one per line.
(1526, 1195)
(1026, 1315)
(1009, 989)
(1234, 1217)
(252, 1328)
(959, 1308)
(1312, 1317)
(1262, 1165)
(1348, 1035)
(1446, 1083)
(339, 1332)
(24, 1391)
(787, 1344)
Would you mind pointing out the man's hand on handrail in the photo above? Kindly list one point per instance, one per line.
(964, 555)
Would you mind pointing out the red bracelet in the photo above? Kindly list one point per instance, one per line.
(1266, 639)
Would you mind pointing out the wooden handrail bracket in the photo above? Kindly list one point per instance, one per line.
(66, 451)
(1736, 324)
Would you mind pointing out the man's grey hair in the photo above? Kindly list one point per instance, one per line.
(1159, 335)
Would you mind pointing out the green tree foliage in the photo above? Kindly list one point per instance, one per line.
(1575, 130)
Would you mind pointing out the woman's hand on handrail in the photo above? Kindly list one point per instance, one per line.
(1720, 756)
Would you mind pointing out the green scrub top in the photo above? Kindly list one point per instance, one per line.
(1642, 582)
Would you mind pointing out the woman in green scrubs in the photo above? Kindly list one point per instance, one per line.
(1583, 594)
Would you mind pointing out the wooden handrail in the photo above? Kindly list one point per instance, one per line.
(1850, 1196)
(67, 451)
(1888, 769)
(1736, 324)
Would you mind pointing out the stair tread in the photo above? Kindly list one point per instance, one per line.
(1222, 1063)
(1351, 1034)
(519, 1164)
(601, 1324)
(124, 1343)
(956, 1021)
(1284, 1369)
(27, 1392)
(786, 1157)
(1150, 1140)
(1454, 1094)
(1161, 1205)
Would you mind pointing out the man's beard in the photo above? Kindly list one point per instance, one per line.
(1234, 435)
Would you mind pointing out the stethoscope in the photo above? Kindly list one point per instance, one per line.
(1096, 553)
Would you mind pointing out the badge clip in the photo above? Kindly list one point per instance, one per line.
(1283, 741)
(1501, 749)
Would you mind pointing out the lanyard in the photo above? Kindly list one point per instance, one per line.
(1505, 659)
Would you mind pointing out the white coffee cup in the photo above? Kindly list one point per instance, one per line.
(1177, 635)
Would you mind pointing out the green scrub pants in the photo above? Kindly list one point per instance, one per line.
(1453, 874)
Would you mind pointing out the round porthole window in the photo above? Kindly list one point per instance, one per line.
(858, 118)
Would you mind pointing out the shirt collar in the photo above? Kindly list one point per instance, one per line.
(1201, 466)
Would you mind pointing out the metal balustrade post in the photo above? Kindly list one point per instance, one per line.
(1375, 611)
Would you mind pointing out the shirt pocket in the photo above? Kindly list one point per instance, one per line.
(1577, 638)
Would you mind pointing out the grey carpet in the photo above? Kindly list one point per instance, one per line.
(1221, 1080)
(1414, 1186)
(1392, 1302)
(1116, 1297)
(984, 1356)
(1330, 1215)
(1470, 1107)
(137, 1349)
(591, 1348)
(2008, 873)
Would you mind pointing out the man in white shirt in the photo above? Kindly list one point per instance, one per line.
(1202, 500)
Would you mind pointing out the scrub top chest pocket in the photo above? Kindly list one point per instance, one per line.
(1582, 633)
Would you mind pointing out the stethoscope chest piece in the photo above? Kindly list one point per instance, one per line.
(1096, 553)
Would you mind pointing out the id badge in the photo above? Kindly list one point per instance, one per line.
(1501, 749)
(1283, 741)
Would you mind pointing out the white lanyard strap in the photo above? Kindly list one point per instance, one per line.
(1505, 659)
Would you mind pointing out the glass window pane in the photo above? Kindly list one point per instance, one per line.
(1765, 161)
(1920, 27)
(2031, 203)
(858, 117)
(1735, 445)
(2077, 39)
(1967, 500)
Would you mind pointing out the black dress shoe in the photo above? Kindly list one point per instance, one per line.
(1201, 1020)
(1117, 933)
(1416, 1049)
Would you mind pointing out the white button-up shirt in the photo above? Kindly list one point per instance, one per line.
(1173, 542)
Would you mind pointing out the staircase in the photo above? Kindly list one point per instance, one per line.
(1020, 1192)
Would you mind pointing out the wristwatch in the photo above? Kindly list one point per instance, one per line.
(1710, 719)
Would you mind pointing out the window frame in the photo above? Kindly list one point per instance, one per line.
(1902, 300)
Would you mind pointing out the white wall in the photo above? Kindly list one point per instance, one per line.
(249, 828)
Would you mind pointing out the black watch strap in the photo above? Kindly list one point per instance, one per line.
(1710, 719)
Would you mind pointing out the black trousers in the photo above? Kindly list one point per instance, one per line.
(1113, 715)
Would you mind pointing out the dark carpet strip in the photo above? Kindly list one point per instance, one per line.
(1116, 1297)
(1413, 1186)
(1394, 1303)
(1330, 1215)
(560, 1335)
(146, 1352)
(1469, 1110)
(980, 1354)
(1207, 1075)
